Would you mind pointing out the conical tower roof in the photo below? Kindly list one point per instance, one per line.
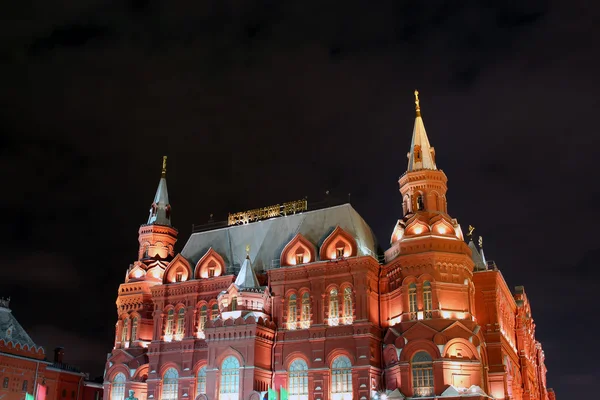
(422, 154)
(247, 278)
(10, 329)
(160, 211)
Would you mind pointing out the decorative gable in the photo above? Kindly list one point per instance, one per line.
(339, 244)
(298, 251)
(178, 270)
(210, 265)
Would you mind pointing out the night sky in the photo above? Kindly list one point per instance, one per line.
(265, 101)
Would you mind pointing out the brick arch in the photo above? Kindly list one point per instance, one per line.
(166, 366)
(211, 258)
(115, 369)
(414, 346)
(425, 277)
(230, 351)
(339, 352)
(137, 272)
(294, 356)
(443, 227)
(390, 355)
(468, 350)
(179, 264)
(141, 371)
(416, 227)
(408, 280)
(298, 244)
(329, 246)
(199, 364)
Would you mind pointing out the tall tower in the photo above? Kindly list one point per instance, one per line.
(134, 328)
(427, 288)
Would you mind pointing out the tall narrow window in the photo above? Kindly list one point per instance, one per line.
(201, 383)
(341, 378)
(230, 379)
(233, 303)
(339, 251)
(24, 387)
(169, 329)
(170, 385)
(181, 323)
(117, 390)
(334, 310)
(134, 327)
(299, 258)
(211, 269)
(5, 383)
(348, 309)
(412, 300)
(215, 312)
(422, 374)
(124, 331)
(179, 275)
(291, 320)
(305, 317)
(203, 318)
(420, 204)
(298, 380)
(427, 302)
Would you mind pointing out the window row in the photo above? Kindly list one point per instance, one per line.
(6, 381)
(340, 310)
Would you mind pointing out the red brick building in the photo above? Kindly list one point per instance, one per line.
(285, 297)
(25, 372)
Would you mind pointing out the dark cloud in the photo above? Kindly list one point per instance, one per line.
(267, 101)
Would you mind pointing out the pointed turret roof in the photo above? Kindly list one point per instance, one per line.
(422, 154)
(247, 278)
(10, 329)
(477, 257)
(160, 211)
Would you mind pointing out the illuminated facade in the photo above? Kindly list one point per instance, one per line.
(306, 303)
(25, 373)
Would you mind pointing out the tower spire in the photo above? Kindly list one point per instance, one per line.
(422, 154)
(160, 210)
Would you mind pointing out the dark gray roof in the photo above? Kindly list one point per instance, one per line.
(268, 238)
(11, 330)
(477, 258)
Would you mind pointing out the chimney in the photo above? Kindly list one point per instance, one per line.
(59, 353)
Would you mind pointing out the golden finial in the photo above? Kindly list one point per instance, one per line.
(164, 167)
(471, 229)
(417, 103)
(247, 251)
(480, 242)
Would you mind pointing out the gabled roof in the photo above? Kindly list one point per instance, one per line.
(268, 238)
(11, 330)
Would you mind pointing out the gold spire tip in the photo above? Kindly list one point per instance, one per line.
(471, 229)
(164, 166)
(417, 103)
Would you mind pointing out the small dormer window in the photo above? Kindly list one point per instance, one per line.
(211, 272)
(299, 258)
(178, 276)
(340, 252)
(233, 303)
(418, 155)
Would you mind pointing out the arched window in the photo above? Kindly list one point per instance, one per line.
(233, 303)
(422, 374)
(201, 383)
(214, 314)
(427, 302)
(170, 385)
(180, 323)
(134, 327)
(420, 203)
(203, 318)
(298, 380)
(230, 379)
(412, 300)
(169, 329)
(305, 317)
(292, 310)
(124, 331)
(348, 309)
(117, 390)
(334, 310)
(341, 378)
